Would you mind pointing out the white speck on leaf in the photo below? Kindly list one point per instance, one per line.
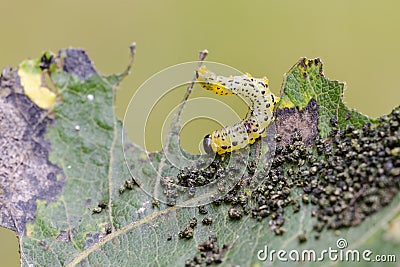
(143, 208)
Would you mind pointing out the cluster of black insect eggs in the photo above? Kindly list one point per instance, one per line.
(188, 179)
(347, 176)
(359, 174)
(200, 175)
(275, 193)
(209, 253)
(203, 173)
(350, 175)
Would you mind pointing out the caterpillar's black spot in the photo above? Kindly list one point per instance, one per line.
(247, 127)
(303, 63)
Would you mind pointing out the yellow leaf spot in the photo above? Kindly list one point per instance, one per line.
(31, 81)
(29, 229)
(285, 103)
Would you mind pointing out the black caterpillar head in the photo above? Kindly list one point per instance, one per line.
(207, 145)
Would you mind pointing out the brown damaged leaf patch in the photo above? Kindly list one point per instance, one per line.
(290, 120)
(26, 175)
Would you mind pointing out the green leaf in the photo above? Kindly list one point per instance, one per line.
(306, 81)
(90, 158)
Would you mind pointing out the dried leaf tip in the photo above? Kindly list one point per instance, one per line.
(203, 54)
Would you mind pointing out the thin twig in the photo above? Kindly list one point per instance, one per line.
(176, 121)
(132, 50)
(202, 56)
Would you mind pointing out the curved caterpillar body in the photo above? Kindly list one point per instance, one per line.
(261, 114)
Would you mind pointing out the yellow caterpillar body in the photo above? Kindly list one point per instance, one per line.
(262, 104)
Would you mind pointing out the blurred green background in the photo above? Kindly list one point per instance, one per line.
(358, 42)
